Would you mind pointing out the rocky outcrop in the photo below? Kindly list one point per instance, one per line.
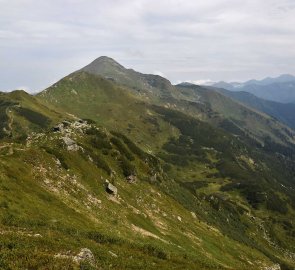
(70, 144)
(58, 128)
(110, 188)
(131, 178)
(85, 255)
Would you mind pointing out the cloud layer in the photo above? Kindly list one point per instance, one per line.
(42, 41)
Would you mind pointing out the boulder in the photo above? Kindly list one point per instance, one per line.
(111, 189)
(58, 128)
(86, 255)
(66, 123)
(131, 178)
(70, 144)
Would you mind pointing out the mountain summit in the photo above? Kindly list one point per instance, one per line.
(142, 84)
(103, 66)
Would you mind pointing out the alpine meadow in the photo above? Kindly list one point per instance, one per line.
(112, 168)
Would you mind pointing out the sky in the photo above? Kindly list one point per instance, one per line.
(199, 41)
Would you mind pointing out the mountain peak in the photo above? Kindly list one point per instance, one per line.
(103, 64)
(105, 59)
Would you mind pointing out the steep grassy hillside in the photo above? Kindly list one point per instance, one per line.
(54, 203)
(100, 176)
(238, 118)
(108, 104)
(197, 101)
(21, 113)
(283, 112)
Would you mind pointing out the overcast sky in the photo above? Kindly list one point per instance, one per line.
(41, 41)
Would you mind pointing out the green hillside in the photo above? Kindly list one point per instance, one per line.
(253, 122)
(96, 174)
(284, 112)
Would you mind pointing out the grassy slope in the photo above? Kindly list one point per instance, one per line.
(96, 98)
(281, 111)
(49, 209)
(199, 102)
(257, 124)
(203, 174)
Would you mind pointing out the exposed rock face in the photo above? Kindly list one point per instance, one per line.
(70, 144)
(58, 128)
(131, 178)
(85, 254)
(110, 188)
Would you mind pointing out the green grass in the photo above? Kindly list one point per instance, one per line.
(201, 200)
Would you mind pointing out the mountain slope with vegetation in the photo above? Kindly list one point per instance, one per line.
(110, 177)
(284, 112)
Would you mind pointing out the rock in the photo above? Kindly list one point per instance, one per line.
(110, 188)
(70, 144)
(154, 177)
(58, 128)
(179, 218)
(131, 178)
(113, 254)
(66, 123)
(85, 254)
(57, 161)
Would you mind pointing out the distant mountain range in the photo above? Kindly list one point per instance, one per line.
(280, 89)
(284, 112)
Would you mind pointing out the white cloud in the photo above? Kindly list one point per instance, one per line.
(201, 82)
(25, 88)
(186, 40)
(158, 72)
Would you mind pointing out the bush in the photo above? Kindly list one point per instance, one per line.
(275, 203)
(127, 167)
(89, 121)
(131, 145)
(154, 251)
(101, 163)
(96, 132)
(58, 155)
(34, 117)
(122, 148)
(102, 238)
(100, 143)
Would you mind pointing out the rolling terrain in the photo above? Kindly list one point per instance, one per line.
(139, 174)
(284, 112)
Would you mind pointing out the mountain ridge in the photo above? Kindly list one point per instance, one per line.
(139, 174)
(280, 89)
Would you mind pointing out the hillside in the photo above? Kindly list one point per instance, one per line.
(146, 85)
(284, 112)
(205, 105)
(103, 175)
(237, 118)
